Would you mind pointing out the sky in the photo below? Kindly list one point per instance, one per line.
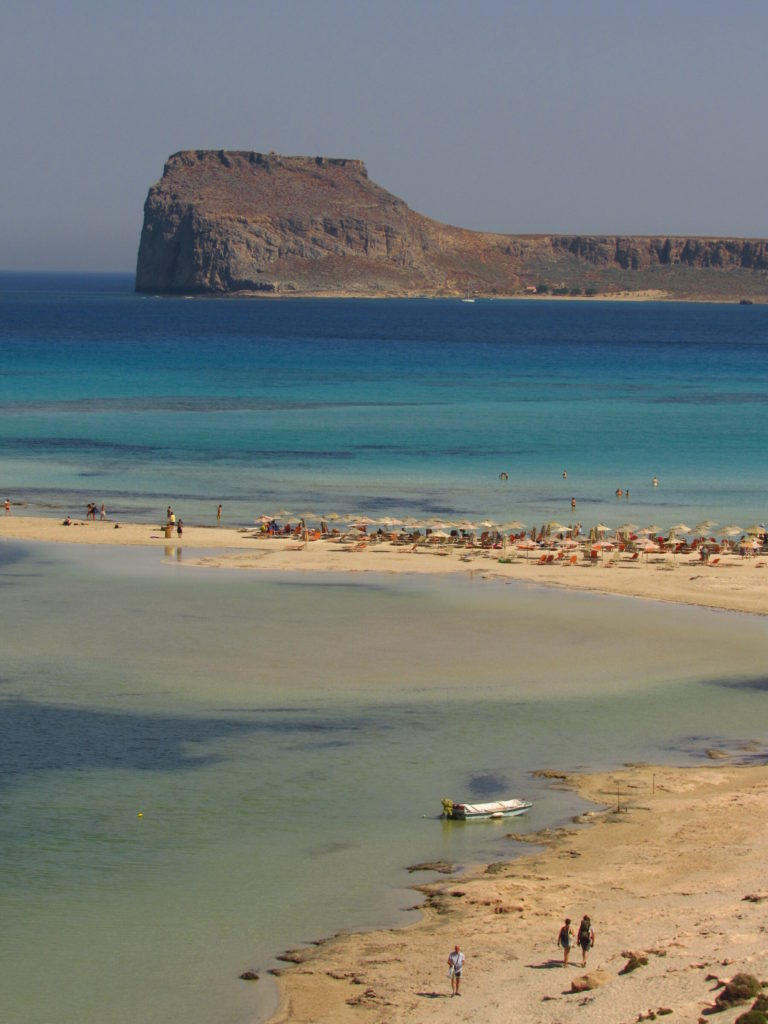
(566, 116)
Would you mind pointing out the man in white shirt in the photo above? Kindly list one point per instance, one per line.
(455, 964)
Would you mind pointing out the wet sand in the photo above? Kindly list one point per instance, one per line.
(676, 876)
(733, 583)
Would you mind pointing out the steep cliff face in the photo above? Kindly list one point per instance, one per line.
(227, 222)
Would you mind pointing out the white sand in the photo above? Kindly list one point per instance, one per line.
(734, 583)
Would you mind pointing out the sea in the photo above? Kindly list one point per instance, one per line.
(200, 769)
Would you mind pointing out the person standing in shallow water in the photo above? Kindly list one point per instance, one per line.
(218, 514)
(585, 938)
(565, 939)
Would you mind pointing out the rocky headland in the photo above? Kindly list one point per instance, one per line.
(221, 222)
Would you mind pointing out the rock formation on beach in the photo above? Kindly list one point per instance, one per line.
(223, 222)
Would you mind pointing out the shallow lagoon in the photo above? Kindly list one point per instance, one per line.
(287, 741)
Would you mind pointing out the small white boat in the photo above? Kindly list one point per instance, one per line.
(477, 812)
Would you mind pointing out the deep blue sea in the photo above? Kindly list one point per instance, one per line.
(379, 407)
(198, 768)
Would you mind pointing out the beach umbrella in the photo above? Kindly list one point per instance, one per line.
(554, 527)
(730, 531)
(755, 528)
(527, 545)
(648, 546)
(602, 528)
(705, 526)
(679, 528)
(626, 529)
(603, 546)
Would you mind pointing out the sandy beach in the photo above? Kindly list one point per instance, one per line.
(732, 583)
(675, 875)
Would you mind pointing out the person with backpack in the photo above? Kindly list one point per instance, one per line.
(585, 938)
(565, 939)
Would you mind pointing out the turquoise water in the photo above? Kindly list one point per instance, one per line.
(287, 740)
(380, 408)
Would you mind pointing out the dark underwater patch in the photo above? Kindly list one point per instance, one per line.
(43, 738)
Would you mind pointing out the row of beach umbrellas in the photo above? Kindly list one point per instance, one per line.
(552, 528)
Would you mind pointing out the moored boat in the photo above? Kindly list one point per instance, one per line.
(477, 812)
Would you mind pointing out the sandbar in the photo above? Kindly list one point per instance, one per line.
(731, 583)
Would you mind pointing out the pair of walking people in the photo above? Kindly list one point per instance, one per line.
(584, 938)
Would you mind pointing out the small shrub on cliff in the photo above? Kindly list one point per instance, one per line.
(542, 289)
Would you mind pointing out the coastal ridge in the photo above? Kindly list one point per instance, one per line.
(238, 222)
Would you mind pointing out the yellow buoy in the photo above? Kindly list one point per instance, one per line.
(140, 814)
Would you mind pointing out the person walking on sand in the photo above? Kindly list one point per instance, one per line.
(8, 507)
(455, 964)
(585, 938)
(565, 939)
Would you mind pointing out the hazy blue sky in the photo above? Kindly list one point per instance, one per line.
(572, 116)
